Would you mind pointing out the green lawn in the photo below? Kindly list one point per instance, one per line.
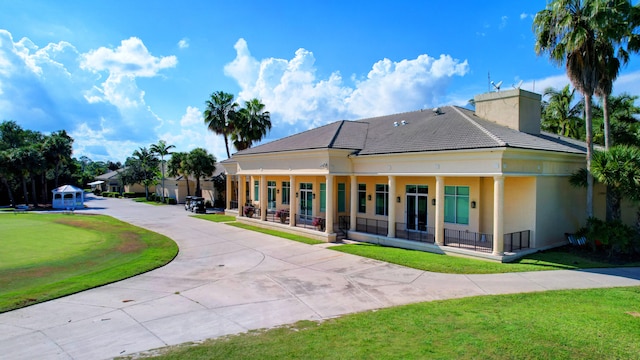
(144, 200)
(558, 259)
(580, 324)
(215, 217)
(46, 256)
(281, 234)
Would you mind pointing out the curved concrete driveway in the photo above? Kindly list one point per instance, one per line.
(227, 280)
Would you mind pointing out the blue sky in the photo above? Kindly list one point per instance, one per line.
(119, 75)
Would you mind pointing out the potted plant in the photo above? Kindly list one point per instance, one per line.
(249, 210)
(318, 223)
(282, 214)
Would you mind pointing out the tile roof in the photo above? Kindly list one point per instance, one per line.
(453, 128)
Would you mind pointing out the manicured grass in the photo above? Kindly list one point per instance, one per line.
(579, 324)
(46, 256)
(145, 201)
(560, 259)
(281, 234)
(215, 217)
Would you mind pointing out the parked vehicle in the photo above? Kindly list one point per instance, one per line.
(197, 205)
(187, 203)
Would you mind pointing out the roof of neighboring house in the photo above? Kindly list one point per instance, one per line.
(109, 175)
(453, 128)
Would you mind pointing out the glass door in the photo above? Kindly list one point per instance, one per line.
(417, 200)
(306, 202)
(271, 195)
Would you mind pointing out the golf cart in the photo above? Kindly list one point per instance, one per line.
(197, 205)
(187, 203)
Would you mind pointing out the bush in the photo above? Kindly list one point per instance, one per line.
(613, 237)
(129, 194)
(207, 204)
(171, 201)
(112, 194)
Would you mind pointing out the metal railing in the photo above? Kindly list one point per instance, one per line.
(233, 205)
(517, 240)
(372, 226)
(310, 222)
(468, 240)
(425, 234)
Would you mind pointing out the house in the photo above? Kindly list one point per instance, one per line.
(485, 183)
(111, 182)
(176, 187)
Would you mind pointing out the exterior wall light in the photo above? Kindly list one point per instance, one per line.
(314, 195)
(369, 197)
(473, 204)
(398, 199)
(433, 202)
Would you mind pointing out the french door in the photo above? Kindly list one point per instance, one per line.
(417, 200)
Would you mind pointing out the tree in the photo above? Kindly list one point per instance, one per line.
(200, 164)
(561, 115)
(568, 30)
(611, 53)
(220, 108)
(624, 126)
(251, 124)
(178, 166)
(162, 149)
(57, 149)
(144, 167)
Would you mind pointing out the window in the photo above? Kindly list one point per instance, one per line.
(323, 197)
(271, 195)
(256, 190)
(342, 197)
(382, 199)
(456, 204)
(362, 198)
(286, 192)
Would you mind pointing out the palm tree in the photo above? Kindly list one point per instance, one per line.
(147, 163)
(178, 166)
(57, 149)
(219, 110)
(162, 149)
(567, 30)
(624, 126)
(560, 115)
(251, 124)
(618, 169)
(200, 164)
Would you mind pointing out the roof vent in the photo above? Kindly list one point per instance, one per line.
(437, 111)
(404, 122)
(395, 123)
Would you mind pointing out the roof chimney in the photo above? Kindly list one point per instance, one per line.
(516, 109)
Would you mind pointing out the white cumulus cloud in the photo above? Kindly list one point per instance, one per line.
(294, 94)
(183, 43)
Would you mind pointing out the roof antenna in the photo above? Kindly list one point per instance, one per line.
(497, 86)
(519, 85)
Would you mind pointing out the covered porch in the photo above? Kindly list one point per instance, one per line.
(464, 214)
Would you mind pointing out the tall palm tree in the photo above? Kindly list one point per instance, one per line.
(561, 114)
(612, 54)
(251, 124)
(147, 163)
(178, 166)
(57, 149)
(567, 30)
(219, 110)
(200, 164)
(618, 169)
(162, 149)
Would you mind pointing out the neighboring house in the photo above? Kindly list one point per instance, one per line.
(176, 187)
(487, 183)
(112, 183)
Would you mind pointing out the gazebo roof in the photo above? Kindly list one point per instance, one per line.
(66, 189)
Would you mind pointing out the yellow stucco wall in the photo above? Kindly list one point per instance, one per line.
(560, 209)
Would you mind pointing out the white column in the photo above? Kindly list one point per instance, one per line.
(498, 215)
(293, 201)
(330, 213)
(228, 192)
(242, 182)
(263, 198)
(439, 210)
(391, 218)
(353, 210)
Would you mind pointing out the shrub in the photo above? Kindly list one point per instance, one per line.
(614, 236)
(128, 194)
(207, 204)
(171, 201)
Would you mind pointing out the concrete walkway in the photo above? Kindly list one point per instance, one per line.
(227, 280)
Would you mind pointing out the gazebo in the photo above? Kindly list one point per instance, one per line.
(68, 197)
